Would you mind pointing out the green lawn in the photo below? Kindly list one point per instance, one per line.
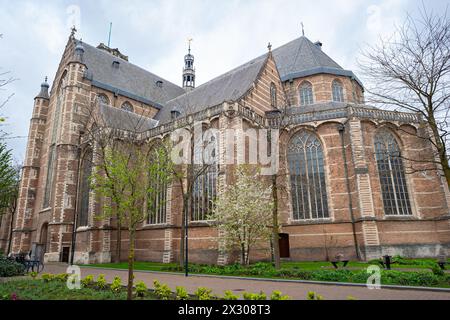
(28, 289)
(301, 265)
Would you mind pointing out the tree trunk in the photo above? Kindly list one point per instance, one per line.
(275, 227)
(440, 147)
(131, 265)
(183, 229)
(119, 242)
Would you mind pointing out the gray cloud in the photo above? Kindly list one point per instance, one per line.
(154, 36)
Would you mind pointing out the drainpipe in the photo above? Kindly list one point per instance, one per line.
(341, 129)
(75, 220)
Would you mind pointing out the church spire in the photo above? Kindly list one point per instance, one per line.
(188, 70)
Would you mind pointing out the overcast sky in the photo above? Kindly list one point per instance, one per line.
(154, 35)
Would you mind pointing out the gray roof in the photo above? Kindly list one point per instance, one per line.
(128, 80)
(117, 118)
(227, 87)
(302, 58)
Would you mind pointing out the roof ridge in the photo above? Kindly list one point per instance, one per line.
(130, 63)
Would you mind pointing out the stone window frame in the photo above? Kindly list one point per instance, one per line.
(54, 133)
(273, 95)
(305, 84)
(407, 178)
(167, 195)
(337, 84)
(330, 211)
(84, 194)
(103, 99)
(212, 185)
(127, 106)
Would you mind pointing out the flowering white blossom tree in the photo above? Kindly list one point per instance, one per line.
(244, 211)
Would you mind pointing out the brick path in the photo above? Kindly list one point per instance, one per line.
(294, 290)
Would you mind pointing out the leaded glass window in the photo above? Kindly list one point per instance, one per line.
(205, 185)
(338, 91)
(127, 106)
(273, 95)
(307, 175)
(103, 99)
(86, 170)
(156, 205)
(392, 175)
(55, 131)
(306, 94)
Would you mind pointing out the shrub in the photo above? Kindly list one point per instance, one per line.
(437, 270)
(9, 268)
(101, 282)
(162, 291)
(62, 277)
(141, 289)
(254, 296)
(116, 285)
(33, 274)
(313, 296)
(203, 293)
(181, 293)
(276, 295)
(47, 277)
(229, 295)
(87, 281)
(351, 298)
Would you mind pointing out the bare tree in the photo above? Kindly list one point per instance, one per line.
(410, 71)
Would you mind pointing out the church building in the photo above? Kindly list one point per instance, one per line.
(345, 184)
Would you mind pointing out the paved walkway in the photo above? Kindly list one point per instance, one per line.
(297, 291)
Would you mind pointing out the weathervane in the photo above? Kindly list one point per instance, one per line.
(73, 30)
(269, 46)
(303, 29)
(189, 44)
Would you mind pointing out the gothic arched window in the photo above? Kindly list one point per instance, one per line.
(205, 185)
(306, 94)
(85, 173)
(338, 91)
(55, 132)
(392, 174)
(156, 205)
(127, 106)
(307, 175)
(103, 99)
(273, 95)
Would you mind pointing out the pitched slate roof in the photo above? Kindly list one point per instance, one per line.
(117, 118)
(128, 79)
(301, 58)
(227, 87)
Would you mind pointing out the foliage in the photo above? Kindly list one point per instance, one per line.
(9, 268)
(351, 298)
(203, 293)
(162, 291)
(254, 296)
(33, 274)
(9, 179)
(436, 269)
(124, 176)
(101, 281)
(181, 293)
(116, 285)
(276, 295)
(88, 281)
(244, 211)
(229, 295)
(140, 289)
(313, 296)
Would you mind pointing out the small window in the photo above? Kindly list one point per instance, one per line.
(159, 83)
(127, 106)
(174, 114)
(273, 95)
(306, 94)
(116, 64)
(103, 99)
(338, 91)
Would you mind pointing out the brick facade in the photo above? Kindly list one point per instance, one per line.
(423, 234)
